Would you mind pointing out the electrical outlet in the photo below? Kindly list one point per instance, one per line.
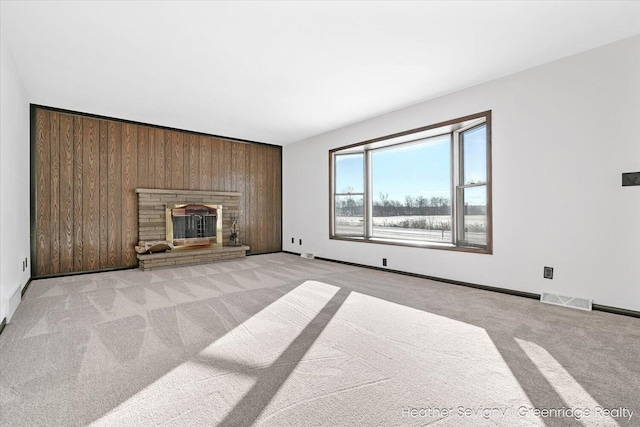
(300, 241)
(23, 266)
(384, 262)
(293, 240)
(548, 273)
(631, 178)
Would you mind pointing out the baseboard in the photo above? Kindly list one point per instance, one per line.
(441, 279)
(26, 286)
(263, 253)
(616, 310)
(79, 273)
(598, 307)
(298, 253)
(3, 324)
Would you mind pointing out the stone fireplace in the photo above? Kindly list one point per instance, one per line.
(198, 223)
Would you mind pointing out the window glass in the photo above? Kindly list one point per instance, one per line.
(475, 215)
(411, 191)
(474, 149)
(349, 217)
(349, 173)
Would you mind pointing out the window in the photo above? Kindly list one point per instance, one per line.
(428, 187)
(349, 195)
(472, 191)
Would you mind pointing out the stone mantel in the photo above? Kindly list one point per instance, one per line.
(188, 192)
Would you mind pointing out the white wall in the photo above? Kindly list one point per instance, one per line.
(562, 135)
(14, 182)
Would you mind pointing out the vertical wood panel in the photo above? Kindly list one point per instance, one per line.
(226, 165)
(239, 180)
(129, 175)
(253, 199)
(151, 178)
(276, 200)
(54, 196)
(239, 153)
(66, 193)
(43, 153)
(234, 168)
(185, 163)
(87, 171)
(143, 156)
(271, 219)
(177, 160)
(217, 182)
(268, 218)
(160, 172)
(168, 159)
(103, 188)
(246, 195)
(262, 189)
(77, 193)
(220, 164)
(205, 163)
(90, 193)
(192, 163)
(114, 195)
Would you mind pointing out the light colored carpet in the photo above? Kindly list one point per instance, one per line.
(277, 340)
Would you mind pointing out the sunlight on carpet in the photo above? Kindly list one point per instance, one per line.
(222, 373)
(310, 358)
(584, 407)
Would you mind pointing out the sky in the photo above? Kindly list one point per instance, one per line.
(417, 170)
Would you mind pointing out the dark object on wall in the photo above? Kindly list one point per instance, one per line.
(630, 178)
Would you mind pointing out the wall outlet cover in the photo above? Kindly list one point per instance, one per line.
(548, 273)
(630, 179)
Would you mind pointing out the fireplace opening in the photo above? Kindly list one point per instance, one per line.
(194, 225)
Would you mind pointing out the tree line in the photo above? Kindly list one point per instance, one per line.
(422, 206)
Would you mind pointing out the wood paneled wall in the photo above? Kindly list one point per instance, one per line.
(87, 170)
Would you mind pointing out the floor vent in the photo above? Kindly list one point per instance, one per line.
(307, 255)
(571, 302)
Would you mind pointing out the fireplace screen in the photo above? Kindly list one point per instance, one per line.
(194, 225)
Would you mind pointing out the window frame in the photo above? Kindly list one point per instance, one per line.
(455, 128)
(335, 194)
(459, 184)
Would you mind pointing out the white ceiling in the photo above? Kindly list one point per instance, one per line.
(279, 72)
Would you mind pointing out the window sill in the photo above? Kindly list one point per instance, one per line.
(414, 244)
